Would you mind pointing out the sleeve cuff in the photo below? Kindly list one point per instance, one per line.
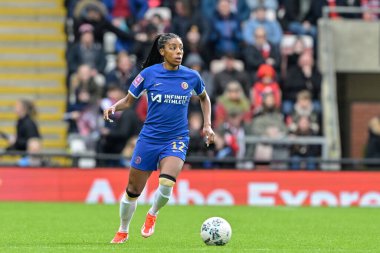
(133, 95)
(203, 92)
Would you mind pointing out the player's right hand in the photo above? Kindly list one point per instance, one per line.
(209, 134)
(107, 112)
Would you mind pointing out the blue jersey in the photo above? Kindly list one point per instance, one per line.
(169, 93)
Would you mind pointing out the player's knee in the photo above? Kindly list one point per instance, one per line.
(132, 193)
(166, 185)
(167, 180)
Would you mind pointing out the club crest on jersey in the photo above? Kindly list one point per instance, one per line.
(138, 160)
(138, 80)
(184, 85)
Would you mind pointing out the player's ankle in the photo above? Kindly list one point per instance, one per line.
(151, 212)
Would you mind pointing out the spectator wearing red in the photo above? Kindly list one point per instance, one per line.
(154, 3)
(127, 8)
(121, 9)
(266, 84)
(142, 108)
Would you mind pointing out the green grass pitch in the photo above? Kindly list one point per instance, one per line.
(69, 227)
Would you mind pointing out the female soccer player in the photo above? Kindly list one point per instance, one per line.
(163, 141)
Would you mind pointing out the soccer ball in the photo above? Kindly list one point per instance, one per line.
(216, 231)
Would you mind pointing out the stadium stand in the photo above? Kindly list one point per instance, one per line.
(33, 66)
(38, 38)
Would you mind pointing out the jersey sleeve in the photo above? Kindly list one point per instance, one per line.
(136, 89)
(200, 85)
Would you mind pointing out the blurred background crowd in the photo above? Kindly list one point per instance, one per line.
(258, 59)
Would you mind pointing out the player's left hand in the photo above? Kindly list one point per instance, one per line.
(209, 134)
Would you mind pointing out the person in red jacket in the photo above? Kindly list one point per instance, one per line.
(266, 76)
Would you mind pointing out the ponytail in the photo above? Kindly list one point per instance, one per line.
(154, 56)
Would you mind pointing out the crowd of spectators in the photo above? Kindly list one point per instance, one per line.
(257, 58)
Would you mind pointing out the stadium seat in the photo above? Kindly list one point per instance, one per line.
(33, 66)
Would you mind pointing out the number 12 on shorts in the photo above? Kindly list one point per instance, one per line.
(178, 145)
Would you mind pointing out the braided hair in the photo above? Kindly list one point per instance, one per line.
(154, 56)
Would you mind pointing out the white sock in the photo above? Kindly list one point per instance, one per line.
(161, 197)
(127, 209)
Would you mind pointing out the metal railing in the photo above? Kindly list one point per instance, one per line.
(324, 163)
(290, 140)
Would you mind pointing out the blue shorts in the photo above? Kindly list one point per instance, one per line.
(148, 153)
